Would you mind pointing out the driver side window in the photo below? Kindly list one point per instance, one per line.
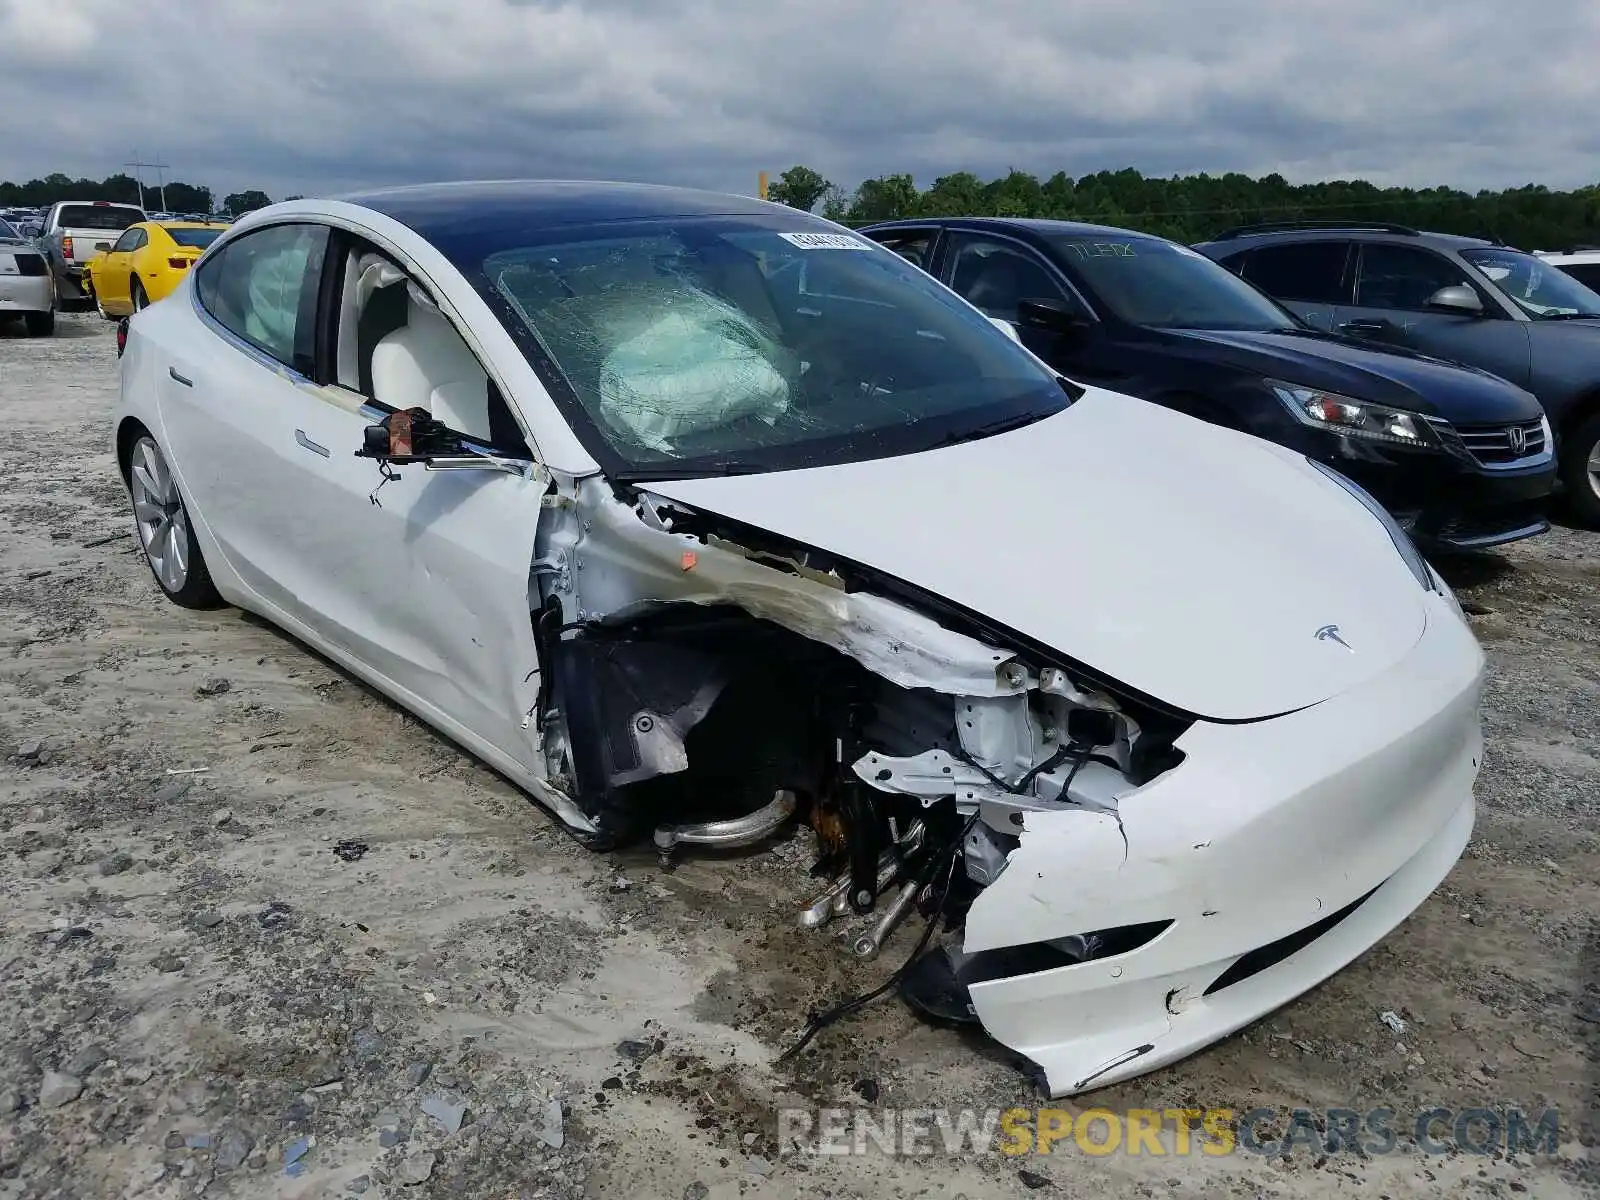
(996, 276)
(397, 348)
(126, 242)
(1403, 276)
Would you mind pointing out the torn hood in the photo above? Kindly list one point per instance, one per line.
(1191, 563)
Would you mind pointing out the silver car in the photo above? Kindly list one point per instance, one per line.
(26, 286)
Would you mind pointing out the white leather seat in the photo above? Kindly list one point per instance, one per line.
(425, 364)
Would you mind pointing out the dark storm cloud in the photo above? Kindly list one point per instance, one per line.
(319, 96)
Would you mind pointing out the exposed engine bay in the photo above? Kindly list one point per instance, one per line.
(706, 685)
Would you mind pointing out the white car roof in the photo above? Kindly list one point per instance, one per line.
(1570, 256)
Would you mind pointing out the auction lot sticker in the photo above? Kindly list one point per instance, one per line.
(825, 241)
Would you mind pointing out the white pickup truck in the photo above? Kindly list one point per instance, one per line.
(72, 230)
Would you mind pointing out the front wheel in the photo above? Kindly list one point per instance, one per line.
(1580, 470)
(164, 534)
(40, 324)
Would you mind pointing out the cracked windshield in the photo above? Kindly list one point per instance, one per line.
(713, 346)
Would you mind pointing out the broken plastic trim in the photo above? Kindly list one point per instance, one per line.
(940, 984)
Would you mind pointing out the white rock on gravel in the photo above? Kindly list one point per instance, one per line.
(59, 1089)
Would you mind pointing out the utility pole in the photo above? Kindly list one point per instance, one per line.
(138, 174)
(761, 185)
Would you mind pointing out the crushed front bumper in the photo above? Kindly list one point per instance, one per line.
(1278, 851)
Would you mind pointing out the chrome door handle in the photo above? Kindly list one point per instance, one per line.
(176, 378)
(300, 436)
(1367, 327)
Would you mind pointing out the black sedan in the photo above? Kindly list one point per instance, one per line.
(1463, 458)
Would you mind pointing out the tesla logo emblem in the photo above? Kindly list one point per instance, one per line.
(1330, 633)
(1518, 438)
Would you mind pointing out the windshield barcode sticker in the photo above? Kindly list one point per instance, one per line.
(825, 241)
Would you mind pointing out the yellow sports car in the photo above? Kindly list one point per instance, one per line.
(145, 263)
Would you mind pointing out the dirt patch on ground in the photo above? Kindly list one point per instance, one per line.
(278, 939)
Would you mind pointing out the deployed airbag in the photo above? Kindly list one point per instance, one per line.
(699, 365)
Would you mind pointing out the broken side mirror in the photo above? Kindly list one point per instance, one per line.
(407, 436)
(412, 436)
(1058, 316)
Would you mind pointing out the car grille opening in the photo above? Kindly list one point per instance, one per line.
(1491, 522)
(1496, 445)
(1033, 957)
(1270, 955)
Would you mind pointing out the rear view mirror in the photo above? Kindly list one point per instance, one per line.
(102, 246)
(1458, 297)
(1050, 313)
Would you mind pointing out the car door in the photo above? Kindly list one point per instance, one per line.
(233, 393)
(1392, 287)
(424, 579)
(111, 273)
(995, 274)
(436, 563)
(1311, 279)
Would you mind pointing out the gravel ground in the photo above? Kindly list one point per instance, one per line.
(263, 934)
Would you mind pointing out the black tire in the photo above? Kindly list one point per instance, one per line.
(138, 295)
(190, 585)
(1580, 470)
(40, 324)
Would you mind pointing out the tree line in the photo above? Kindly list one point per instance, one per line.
(1187, 208)
(1191, 208)
(123, 188)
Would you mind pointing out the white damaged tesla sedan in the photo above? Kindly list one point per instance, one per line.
(695, 516)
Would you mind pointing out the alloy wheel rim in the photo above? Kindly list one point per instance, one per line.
(158, 512)
(1594, 468)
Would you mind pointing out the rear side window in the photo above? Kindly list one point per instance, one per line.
(263, 288)
(98, 216)
(995, 277)
(1235, 261)
(913, 245)
(1403, 276)
(1306, 271)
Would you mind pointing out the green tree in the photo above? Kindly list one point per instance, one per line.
(186, 197)
(836, 205)
(885, 199)
(239, 203)
(955, 195)
(799, 187)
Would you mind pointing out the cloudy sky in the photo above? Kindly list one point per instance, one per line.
(316, 96)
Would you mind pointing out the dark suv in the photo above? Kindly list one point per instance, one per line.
(1464, 299)
(1460, 457)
